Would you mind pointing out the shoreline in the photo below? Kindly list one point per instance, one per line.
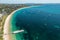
(6, 28)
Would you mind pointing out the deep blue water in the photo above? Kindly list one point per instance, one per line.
(39, 22)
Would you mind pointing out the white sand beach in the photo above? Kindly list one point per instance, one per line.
(6, 35)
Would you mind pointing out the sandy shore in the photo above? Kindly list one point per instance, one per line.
(7, 30)
(6, 35)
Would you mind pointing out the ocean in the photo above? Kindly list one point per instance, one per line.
(38, 22)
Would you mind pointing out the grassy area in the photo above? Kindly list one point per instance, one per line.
(1, 25)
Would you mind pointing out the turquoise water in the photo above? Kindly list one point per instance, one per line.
(39, 22)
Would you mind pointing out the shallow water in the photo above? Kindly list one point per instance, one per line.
(39, 22)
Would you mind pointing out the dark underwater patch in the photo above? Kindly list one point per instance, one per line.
(40, 22)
